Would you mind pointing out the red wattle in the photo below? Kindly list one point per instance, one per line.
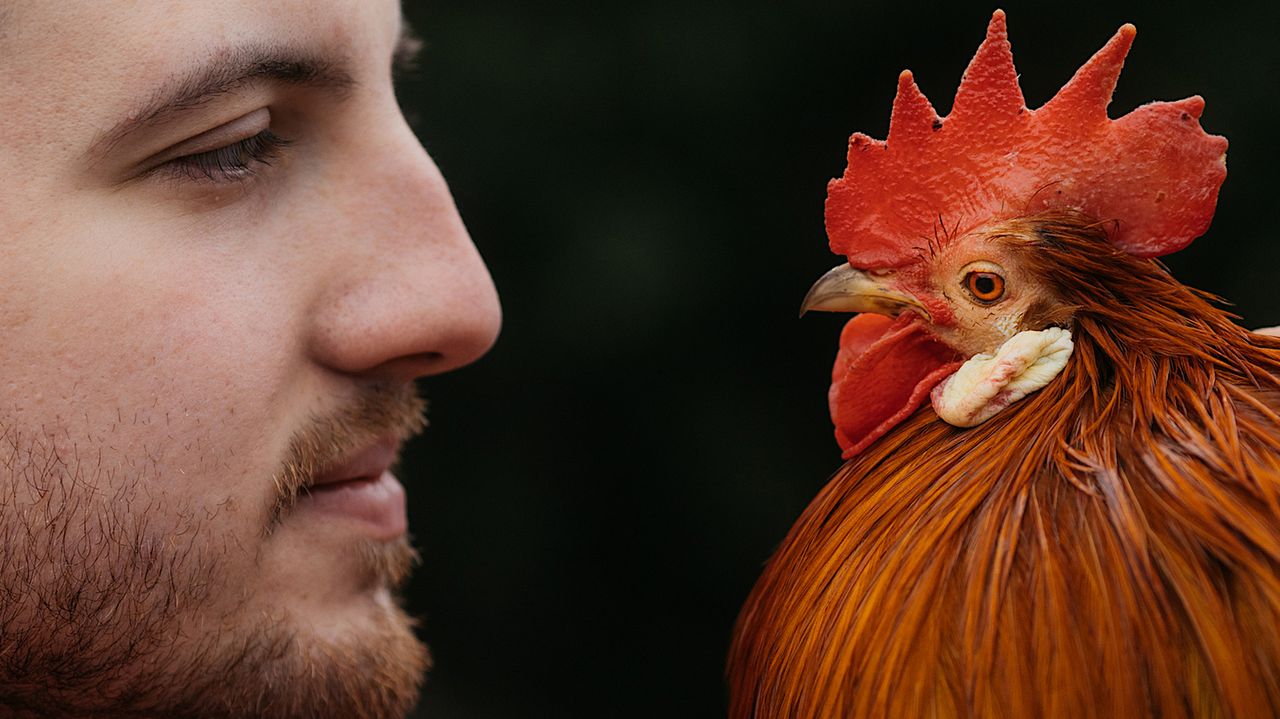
(883, 372)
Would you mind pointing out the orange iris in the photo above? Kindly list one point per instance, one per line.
(984, 286)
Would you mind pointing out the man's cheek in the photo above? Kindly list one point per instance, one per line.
(148, 411)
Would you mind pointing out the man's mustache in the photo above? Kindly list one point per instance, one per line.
(326, 440)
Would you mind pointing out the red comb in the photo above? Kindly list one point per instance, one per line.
(1154, 172)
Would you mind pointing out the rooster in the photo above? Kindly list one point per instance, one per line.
(1062, 488)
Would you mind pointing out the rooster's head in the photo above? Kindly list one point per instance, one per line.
(944, 226)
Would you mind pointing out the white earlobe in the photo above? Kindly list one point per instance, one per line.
(987, 384)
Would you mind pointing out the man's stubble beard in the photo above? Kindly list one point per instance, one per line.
(106, 595)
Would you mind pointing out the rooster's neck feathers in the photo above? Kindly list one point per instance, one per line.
(1107, 547)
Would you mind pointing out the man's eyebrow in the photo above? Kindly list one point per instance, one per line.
(227, 71)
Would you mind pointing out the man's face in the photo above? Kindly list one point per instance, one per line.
(225, 259)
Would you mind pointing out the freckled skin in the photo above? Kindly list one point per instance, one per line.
(962, 322)
(936, 281)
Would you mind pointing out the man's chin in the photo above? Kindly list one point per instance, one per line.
(388, 564)
(348, 654)
(274, 656)
(365, 663)
(371, 667)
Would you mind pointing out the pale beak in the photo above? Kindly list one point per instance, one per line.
(845, 289)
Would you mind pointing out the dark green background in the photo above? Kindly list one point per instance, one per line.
(595, 497)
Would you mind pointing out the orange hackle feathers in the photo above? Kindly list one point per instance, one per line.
(1107, 547)
(1154, 172)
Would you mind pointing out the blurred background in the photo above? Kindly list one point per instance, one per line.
(595, 498)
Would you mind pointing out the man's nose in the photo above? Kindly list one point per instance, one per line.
(408, 294)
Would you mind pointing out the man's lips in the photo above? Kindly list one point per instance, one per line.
(367, 463)
(362, 489)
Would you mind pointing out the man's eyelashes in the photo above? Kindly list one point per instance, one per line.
(236, 162)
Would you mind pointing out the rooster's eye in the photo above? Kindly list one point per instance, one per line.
(986, 287)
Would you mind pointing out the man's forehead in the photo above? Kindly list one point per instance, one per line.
(78, 63)
(6, 18)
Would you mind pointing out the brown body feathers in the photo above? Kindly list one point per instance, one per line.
(1107, 547)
